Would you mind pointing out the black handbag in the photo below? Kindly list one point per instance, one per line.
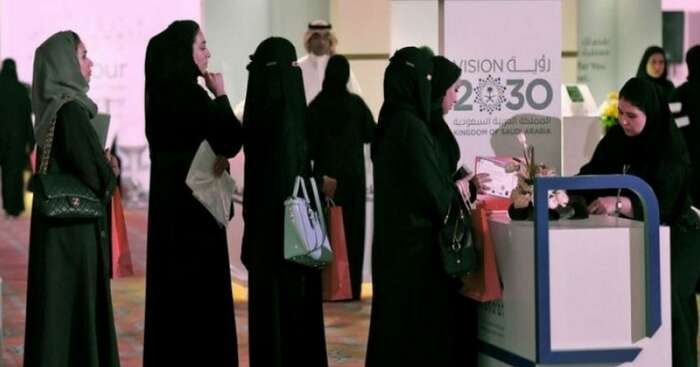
(62, 195)
(456, 240)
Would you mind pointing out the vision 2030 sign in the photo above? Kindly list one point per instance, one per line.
(510, 56)
(492, 94)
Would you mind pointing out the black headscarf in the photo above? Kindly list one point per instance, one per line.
(169, 58)
(334, 99)
(275, 111)
(337, 75)
(9, 70)
(9, 82)
(642, 69)
(171, 76)
(692, 59)
(445, 73)
(656, 141)
(406, 86)
(273, 76)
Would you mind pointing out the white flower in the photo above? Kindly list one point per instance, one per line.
(562, 197)
(552, 200)
(522, 139)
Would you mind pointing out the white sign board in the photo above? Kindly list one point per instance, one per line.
(510, 55)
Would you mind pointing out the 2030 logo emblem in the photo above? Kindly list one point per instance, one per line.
(490, 94)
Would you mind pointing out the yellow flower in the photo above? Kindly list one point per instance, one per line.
(609, 110)
(613, 95)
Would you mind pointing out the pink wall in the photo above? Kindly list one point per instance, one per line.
(116, 34)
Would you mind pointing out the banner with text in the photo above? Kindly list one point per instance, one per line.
(510, 55)
(116, 34)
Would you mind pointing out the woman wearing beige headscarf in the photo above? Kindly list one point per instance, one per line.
(69, 308)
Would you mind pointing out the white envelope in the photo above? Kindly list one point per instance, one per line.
(215, 193)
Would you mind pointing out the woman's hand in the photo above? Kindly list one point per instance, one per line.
(479, 181)
(215, 83)
(607, 205)
(463, 187)
(220, 165)
(113, 162)
(330, 184)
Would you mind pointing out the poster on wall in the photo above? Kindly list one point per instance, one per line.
(116, 34)
(510, 56)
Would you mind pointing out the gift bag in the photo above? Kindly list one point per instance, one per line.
(121, 254)
(484, 284)
(336, 277)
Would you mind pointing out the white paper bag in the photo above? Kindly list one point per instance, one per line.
(215, 193)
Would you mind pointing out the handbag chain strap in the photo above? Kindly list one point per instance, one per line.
(46, 149)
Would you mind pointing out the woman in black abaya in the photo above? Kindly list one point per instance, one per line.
(340, 123)
(410, 322)
(654, 67)
(649, 144)
(16, 137)
(189, 303)
(284, 299)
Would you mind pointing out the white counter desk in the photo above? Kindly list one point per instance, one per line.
(594, 292)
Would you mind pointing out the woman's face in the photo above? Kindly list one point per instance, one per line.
(200, 53)
(84, 62)
(656, 65)
(450, 98)
(631, 118)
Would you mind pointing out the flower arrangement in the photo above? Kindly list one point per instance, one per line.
(522, 195)
(608, 111)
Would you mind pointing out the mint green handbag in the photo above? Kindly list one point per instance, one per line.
(305, 233)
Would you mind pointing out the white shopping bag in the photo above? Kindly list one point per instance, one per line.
(215, 193)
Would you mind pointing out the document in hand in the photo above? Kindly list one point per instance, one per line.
(215, 193)
(502, 181)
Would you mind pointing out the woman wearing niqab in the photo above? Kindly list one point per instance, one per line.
(285, 312)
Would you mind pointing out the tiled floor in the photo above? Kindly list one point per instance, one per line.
(346, 323)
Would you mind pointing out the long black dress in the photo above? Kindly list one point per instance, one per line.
(409, 324)
(16, 137)
(339, 124)
(189, 303)
(284, 305)
(69, 307)
(689, 96)
(659, 157)
(463, 310)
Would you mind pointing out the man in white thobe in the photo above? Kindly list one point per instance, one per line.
(320, 43)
